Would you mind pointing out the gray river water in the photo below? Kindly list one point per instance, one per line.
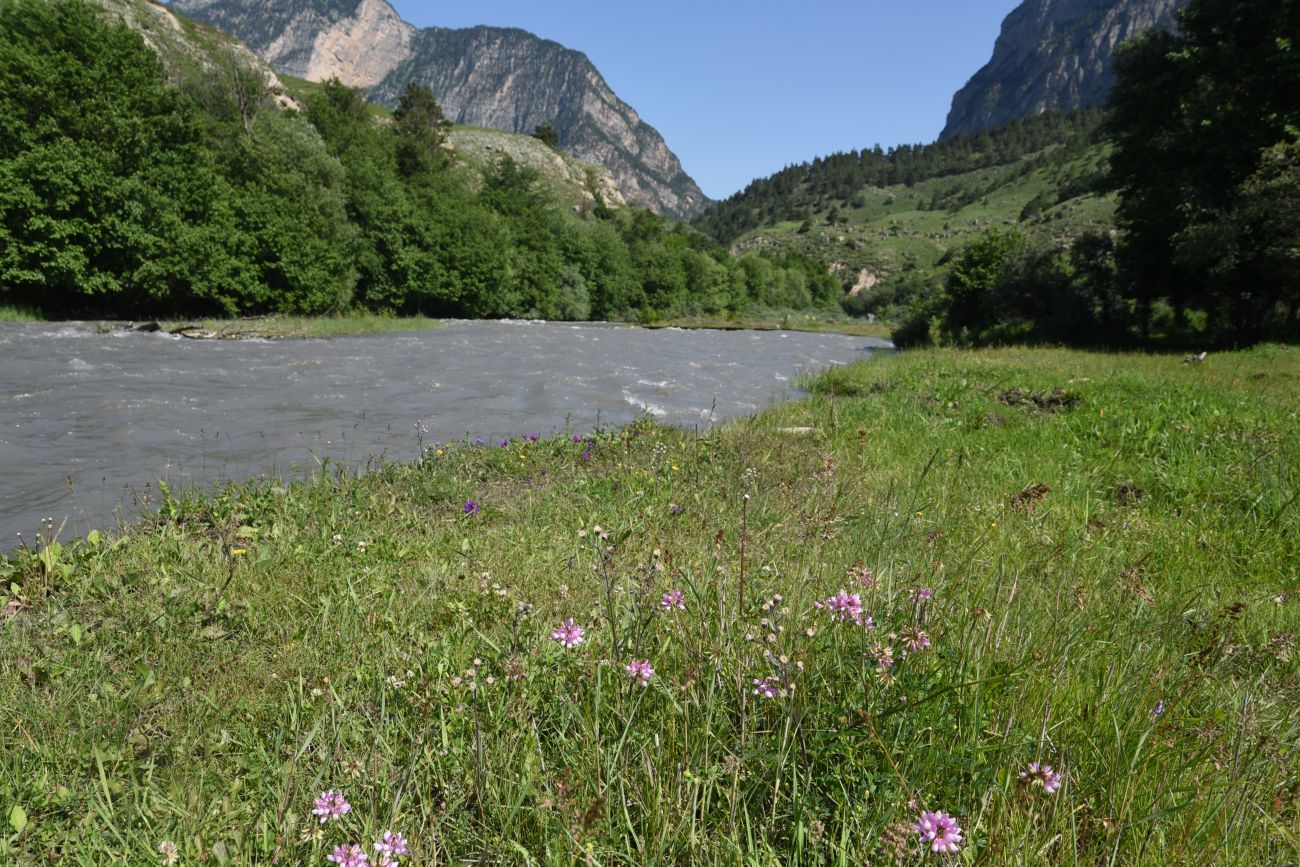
(90, 422)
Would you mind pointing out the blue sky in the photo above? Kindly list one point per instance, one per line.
(740, 90)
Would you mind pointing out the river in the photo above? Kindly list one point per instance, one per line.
(91, 421)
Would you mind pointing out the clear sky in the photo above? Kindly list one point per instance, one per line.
(742, 89)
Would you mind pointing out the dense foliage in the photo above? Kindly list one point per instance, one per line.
(120, 195)
(835, 181)
(1206, 124)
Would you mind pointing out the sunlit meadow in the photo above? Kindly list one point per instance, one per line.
(999, 607)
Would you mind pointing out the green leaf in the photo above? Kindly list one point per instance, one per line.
(18, 819)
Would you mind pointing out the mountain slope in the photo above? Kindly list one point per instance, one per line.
(1053, 55)
(483, 76)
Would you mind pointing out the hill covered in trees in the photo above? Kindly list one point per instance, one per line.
(132, 187)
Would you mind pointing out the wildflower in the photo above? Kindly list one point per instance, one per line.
(883, 655)
(504, 444)
(767, 687)
(922, 593)
(471, 507)
(170, 854)
(331, 805)
(672, 599)
(641, 670)
(1160, 708)
(1041, 775)
(239, 552)
(843, 606)
(532, 437)
(861, 575)
(914, 639)
(479, 441)
(349, 855)
(569, 634)
(674, 508)
(392, 846)
(940, 831)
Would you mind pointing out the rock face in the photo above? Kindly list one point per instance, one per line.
(1053, 55)
(493, 77)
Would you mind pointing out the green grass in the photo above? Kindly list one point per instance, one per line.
(202, 677)
(19, 314)
(292, 327)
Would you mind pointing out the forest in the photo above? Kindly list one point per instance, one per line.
(124, 194)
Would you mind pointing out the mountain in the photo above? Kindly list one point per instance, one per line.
(1053, 55)
(491, 77)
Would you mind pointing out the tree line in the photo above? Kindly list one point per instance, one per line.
(121, 195)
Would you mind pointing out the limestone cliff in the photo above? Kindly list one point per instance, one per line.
(1053, 55)
(492, 77)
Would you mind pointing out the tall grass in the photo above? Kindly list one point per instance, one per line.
(1101, 551)
(9, 313)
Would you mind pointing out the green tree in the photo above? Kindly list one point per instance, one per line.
(1192, 115)
(421, 130)
(546, 134)
(970, 306)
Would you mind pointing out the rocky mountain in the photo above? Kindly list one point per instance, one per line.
(1053, 55)
(492, 77)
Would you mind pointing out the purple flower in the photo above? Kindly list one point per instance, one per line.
(391, 847)
(331, 805)
(1160, 708)
(576, 438)
(672, 599)
(923, 593)
(532, 437)
(940, 831)
(675, 509)
(471, 507)
(843, 606)
(914, 639)
(641, 671)
(586, 456)
(862, 576)
(349, 855)
(767, 687)
(884, 656)
(1041, 775)
(504, 443)
(479, 441)
(569, 634)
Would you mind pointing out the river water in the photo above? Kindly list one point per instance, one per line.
(90, 421)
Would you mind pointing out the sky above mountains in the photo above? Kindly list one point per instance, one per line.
(740, 90)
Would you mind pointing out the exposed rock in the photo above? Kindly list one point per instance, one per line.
(493, 77)
(1053, 55)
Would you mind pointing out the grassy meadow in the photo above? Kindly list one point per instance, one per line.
(790, 637)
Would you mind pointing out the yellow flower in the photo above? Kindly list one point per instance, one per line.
(676, 469)
(439, 453)
(238, 552)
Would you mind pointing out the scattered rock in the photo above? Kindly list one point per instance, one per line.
(1199, 358)
(146, 327)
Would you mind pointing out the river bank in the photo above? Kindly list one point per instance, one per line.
(781, 638)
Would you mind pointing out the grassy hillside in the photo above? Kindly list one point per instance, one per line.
(872, 215)
(1077, 560)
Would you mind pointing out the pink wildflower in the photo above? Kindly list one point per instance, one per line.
(883, 655)
(843, 606)
(349, 855)
(391, 847)
(862, 575)
(922, 593)
(940, 831)
(767, 687)
(331, 805)
(1041, 775)
(569, 634)
(641, 670)
(914, 639)
(673, 599)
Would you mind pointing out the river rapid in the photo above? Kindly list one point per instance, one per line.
(91, 421)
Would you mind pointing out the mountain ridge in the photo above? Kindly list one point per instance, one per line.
(1052, 55)
(501, 78)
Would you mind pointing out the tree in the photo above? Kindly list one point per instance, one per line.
(421, 130)
(547, 135)
(1192, 115)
